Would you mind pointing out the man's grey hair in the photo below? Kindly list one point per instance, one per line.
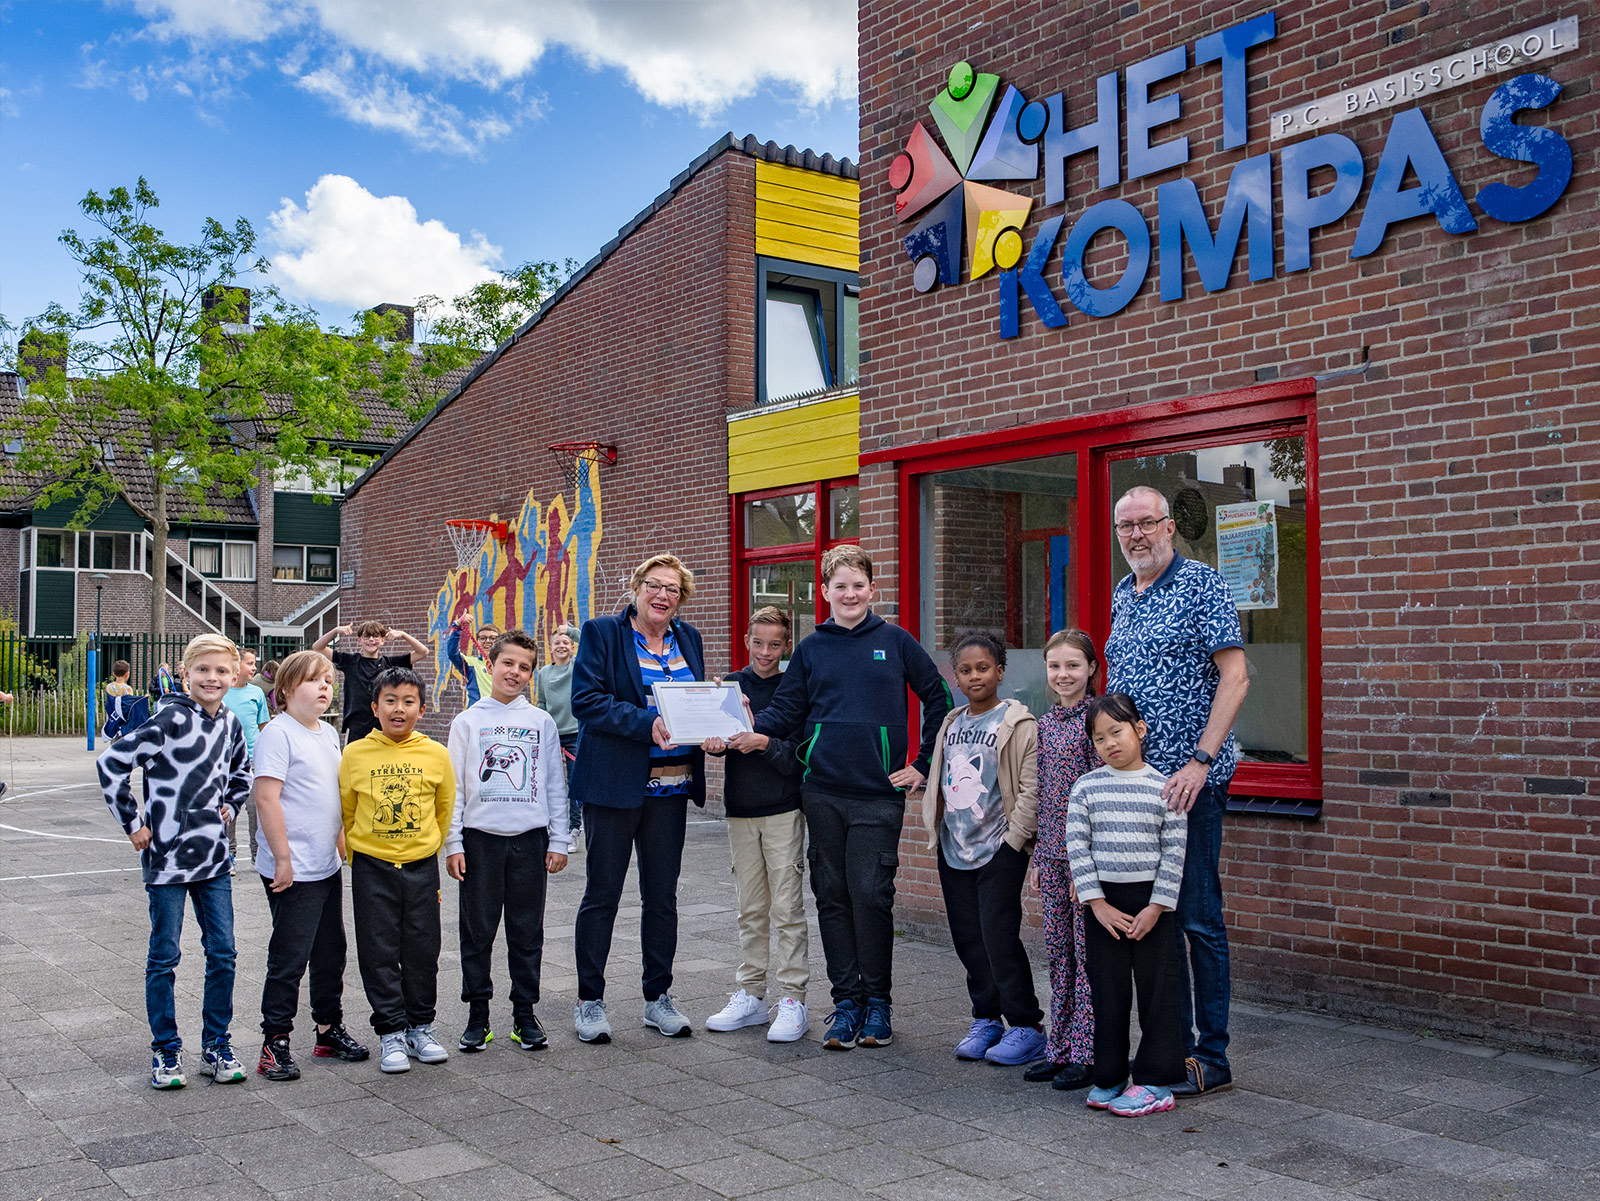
(1145, 489)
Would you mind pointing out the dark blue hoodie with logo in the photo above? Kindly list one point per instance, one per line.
(843, 704)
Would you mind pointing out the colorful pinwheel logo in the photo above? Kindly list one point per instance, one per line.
(988, 142)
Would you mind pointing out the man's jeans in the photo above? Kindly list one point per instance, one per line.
(213, 909)
(1202, 937)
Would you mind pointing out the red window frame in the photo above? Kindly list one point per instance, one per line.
(743, 558)
(1270, 410)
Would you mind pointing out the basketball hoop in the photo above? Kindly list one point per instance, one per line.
(466, 536)
(582, 454)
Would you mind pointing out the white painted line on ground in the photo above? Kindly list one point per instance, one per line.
(68, 837)
(22, 796)
(99, 871)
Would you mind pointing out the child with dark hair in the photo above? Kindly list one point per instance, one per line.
(979, 810)
(362, 668)
(398, 790)
(1071, 666)
(1127, 849)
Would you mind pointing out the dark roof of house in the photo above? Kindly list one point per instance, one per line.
(769, 152)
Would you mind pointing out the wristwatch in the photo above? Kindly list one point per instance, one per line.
(1204, 758)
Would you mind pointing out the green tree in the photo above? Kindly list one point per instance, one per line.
(157, 386)
(486, 315)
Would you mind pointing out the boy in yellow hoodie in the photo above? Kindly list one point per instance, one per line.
(398, 790)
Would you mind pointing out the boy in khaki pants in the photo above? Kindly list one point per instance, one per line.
(767, 836)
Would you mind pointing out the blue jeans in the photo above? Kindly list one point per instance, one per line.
(213, 909)
(1202, 936)
(569, 742)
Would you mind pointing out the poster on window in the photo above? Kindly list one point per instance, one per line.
(1247, 553)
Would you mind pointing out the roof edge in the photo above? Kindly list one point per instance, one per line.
(748, 145)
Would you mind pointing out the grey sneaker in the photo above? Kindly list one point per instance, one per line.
(422, 1046)
(664, 1016)
(589, 1018)
(392, 1050)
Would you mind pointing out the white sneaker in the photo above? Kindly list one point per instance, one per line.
(422, 1046)
(392, 1049)
(789, 1022)
(741, 1010)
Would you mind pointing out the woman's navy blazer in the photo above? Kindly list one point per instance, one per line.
(614, 717)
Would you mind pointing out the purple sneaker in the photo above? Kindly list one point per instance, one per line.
(983, 1035)
(1021, 1044)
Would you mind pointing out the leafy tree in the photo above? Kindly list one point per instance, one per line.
(486, 315)
(157, 387)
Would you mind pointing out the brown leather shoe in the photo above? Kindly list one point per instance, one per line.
(1202, 1079)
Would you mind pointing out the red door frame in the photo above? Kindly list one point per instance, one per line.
(1251, 413)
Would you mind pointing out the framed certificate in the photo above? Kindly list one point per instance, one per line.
(695, 711)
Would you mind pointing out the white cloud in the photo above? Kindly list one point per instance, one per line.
(698, 55)
(347, 246)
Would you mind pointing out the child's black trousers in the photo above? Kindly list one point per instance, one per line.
(505, 875)
(396, 908)
(307, 929)
(1115, 967)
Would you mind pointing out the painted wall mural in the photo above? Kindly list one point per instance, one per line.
(540, 576)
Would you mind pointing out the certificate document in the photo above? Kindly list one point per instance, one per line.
(695, 711)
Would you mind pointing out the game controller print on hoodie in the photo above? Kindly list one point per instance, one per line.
(509, 775)
(193, 763)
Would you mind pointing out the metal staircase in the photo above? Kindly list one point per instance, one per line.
(208, 603)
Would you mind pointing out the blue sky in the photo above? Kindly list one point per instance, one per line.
(386, 148)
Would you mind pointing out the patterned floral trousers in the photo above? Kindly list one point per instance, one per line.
(1071, 1011)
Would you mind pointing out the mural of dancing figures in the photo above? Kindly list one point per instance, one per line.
(539, 576)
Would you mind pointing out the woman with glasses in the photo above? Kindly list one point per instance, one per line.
(634, 787)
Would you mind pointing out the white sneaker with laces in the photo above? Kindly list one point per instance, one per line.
(789, 1022)
(392, 1052)
(422, 1046)
(741, 1010)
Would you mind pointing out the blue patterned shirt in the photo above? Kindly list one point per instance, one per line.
(669, 770)
(1159, 653)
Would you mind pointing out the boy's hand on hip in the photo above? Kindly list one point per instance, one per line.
(282, 874)
(907, 778)
(554, 861)
(141, 837)
(456, 866)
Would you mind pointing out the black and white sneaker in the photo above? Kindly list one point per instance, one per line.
(276, 1063)
(477, 1035)
(336, 1043)
(527, 1033)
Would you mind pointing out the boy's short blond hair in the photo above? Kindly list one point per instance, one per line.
(295, 671)
(685, 576)
(208, 644)
(848, 555)
(771, 615)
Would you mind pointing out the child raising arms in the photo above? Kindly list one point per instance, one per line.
(1065, 753)
(979, 810)
(1126, 849)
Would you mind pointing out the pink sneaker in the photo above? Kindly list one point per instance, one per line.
(1142, 1099)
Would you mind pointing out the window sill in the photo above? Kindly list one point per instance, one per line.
(1298, 808)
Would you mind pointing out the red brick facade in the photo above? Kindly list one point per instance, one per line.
(1451, 881)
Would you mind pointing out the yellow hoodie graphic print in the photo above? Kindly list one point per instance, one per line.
(397, 796)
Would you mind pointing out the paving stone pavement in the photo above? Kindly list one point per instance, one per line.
(1322, 1108)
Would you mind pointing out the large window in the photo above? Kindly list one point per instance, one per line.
(806, 329)
(779, 536)
(224, 560)
(305, 564)
(1011, 533)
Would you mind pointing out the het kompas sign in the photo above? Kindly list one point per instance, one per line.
(1247, 209)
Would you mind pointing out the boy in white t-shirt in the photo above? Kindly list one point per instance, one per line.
(299, 853)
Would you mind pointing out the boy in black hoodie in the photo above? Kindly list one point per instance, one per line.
(767, 837)
(843, 700)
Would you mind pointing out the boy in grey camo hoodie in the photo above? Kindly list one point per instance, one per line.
(196, 777)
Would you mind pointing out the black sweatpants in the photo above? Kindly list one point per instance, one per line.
(396, 909)
(854, 854)
(984, 908)
(1115, 966)
(505, 874)
(655, 831)
(307, 929)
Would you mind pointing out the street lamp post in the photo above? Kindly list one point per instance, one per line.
(92, 706)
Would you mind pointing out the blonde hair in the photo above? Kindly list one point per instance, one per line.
(685, 576)
(771, 615)
(295, 671)
(1084, 643)
(208, 644)
(848, 555)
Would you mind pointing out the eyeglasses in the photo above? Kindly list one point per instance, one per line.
(1149, 525)
(656, 588)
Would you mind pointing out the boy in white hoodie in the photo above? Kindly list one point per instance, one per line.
(508, 833)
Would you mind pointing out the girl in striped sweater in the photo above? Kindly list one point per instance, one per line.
(1126, 851)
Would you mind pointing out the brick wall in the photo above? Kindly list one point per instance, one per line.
(1451, 882)
(647, 352)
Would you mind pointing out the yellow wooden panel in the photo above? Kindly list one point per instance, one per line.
(795, 445)
(806, 181)
(808, 217)
(799, 235)
(797, 253)
(843, 206)
(848, 226)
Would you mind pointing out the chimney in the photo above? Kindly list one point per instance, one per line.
(218, 295)
(38, 351)
(408, 320)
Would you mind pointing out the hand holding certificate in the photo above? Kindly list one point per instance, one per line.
(695, 712)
